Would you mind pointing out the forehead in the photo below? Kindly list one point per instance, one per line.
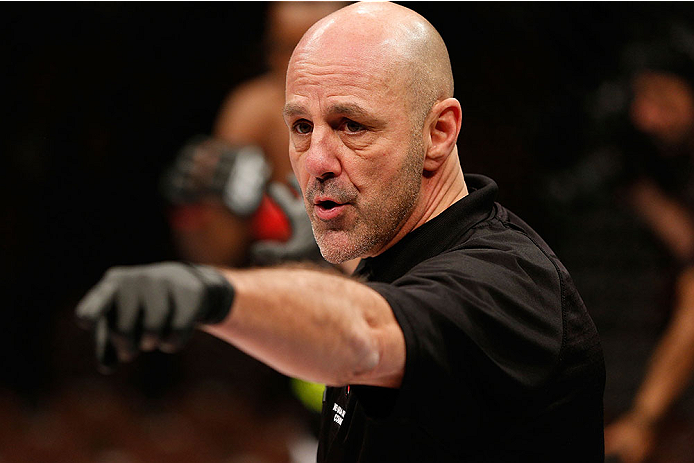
(333, 74)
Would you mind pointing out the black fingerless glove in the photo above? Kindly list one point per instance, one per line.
(219, 294)
(151, 307)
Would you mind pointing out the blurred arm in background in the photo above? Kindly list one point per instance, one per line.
(662, 108)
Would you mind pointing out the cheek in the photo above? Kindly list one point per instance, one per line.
(370, 176)
(300, 173)
(383, 164)
(295, 161)
(299, 142)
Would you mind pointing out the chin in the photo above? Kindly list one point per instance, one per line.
(336, 254)
(336, 247)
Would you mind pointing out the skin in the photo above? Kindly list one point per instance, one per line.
(252, 113)
(207, 233)
(343, 112)
(359, 136)
(663, 107)
(634, 435)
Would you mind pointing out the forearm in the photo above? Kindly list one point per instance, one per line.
(307, 323)
(672, 363)
(314, 325)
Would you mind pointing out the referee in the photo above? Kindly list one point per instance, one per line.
(461, 337)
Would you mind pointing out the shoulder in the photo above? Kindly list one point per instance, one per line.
(262, 88)
(501, 251)
(249, 109)
(495, 284)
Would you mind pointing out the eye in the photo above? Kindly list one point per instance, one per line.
(353, 127)
(302, 127)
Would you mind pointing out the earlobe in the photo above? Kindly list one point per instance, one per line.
(444, 126)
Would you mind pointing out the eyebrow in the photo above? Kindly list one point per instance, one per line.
(359, 114)
(293, 109)
(348, 109)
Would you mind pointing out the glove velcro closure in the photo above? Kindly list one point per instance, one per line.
(219, 294)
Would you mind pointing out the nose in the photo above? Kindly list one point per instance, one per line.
(321, 159)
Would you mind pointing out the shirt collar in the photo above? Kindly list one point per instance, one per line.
(434, 236)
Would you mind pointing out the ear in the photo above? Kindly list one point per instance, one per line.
(443, 124)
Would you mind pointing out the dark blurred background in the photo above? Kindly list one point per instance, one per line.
(99, 97)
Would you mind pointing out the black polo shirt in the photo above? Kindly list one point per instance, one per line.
(503, 361)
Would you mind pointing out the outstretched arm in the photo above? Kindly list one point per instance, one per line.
(306, 323)
(314, 325)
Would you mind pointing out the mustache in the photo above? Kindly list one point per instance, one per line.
(331, 188)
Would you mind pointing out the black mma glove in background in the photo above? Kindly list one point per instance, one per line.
(205, 166)
(301, 246)
(154, 306)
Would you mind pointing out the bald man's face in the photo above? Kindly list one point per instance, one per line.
(353, 149)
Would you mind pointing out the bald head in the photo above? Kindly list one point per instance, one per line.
(373, 127)
(391, 38)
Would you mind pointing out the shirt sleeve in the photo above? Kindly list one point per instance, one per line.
(483, 333)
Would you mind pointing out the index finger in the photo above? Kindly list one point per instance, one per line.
(96, 302)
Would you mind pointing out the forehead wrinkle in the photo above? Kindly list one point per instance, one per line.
(339, 80)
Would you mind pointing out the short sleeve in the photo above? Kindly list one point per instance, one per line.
(483, 330)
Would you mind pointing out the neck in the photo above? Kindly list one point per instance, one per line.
(442, 189)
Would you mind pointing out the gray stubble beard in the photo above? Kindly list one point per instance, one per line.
(380, 226)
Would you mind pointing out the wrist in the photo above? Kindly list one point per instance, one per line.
(219, 294)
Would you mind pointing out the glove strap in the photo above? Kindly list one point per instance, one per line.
(219, 295)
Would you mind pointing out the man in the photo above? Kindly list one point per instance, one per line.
(462, 339)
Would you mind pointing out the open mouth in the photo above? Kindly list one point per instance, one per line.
(327, 205)
(328, 210)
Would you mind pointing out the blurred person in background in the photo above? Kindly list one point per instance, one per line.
(211, 225)
(233, 201)
(662, 195)
(225, 211)
(644, 127)
(252, 112)
(232, 194)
